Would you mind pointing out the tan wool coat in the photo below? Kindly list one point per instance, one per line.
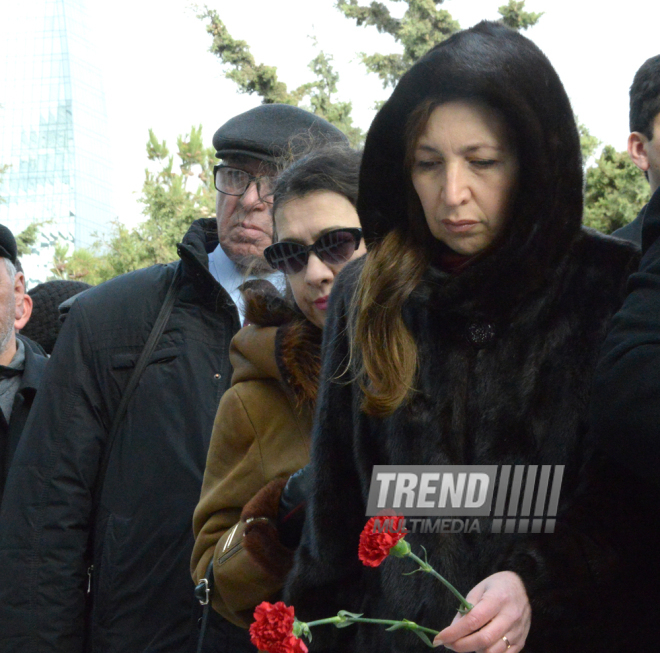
(260, 437)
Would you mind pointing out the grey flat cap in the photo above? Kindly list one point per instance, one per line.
(273, 130)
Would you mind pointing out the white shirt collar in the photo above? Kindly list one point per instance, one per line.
(230, 277)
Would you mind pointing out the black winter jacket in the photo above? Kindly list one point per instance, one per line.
(35, 364)
(141, 586)
(626, 402)
(506, 353)
(625, 418)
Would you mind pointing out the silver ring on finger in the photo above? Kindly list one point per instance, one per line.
(507, 642)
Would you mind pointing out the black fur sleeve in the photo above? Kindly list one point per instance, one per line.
(327, 574)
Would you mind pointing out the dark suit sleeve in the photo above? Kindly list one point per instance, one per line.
(44, 521)
(625, 414)
(327, 573)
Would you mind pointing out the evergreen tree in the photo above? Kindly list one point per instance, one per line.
(318, 96)
(422, 26)
(615, 191)
(588, 142)
(172, 201)
(615, 188)
(515, 16)
(28, 237)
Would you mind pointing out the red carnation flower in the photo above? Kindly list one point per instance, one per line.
(378, 537)
(272, 629)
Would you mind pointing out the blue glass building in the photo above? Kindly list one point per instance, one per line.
(53, 128)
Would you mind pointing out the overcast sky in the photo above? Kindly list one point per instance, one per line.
(158, 73)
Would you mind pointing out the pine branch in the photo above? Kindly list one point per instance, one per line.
(375, 15)
(515, 16)
(242, 68)
(253, 78)
(389, 67)
(422, 27)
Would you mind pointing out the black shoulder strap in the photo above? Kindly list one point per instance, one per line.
(203, 593)
(152, 340)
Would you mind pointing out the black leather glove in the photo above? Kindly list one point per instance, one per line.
(291, 513)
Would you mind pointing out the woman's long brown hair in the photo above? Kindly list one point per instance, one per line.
(381, 345)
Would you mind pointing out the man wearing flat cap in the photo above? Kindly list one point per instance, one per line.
(95, 531)
(21, 361)
(248, 146)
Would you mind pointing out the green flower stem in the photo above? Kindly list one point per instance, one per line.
(329, 620)
(410, 625)
(466, 606)
(364, 620)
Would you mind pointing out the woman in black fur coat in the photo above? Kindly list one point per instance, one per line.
(471, 332)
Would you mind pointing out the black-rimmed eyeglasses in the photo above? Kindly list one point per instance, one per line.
(336, 246)
(232, 181)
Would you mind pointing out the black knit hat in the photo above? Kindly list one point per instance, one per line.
(270, 131)
(7, 244)
(44, 324)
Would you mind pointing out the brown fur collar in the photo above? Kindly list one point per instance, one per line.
(297, 342)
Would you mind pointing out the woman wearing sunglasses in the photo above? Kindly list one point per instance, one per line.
(468, 335)
(262, 428)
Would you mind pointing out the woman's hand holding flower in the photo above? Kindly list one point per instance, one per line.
(501, 610)
(496, 614)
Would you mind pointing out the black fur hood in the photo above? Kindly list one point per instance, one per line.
(494, 64)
